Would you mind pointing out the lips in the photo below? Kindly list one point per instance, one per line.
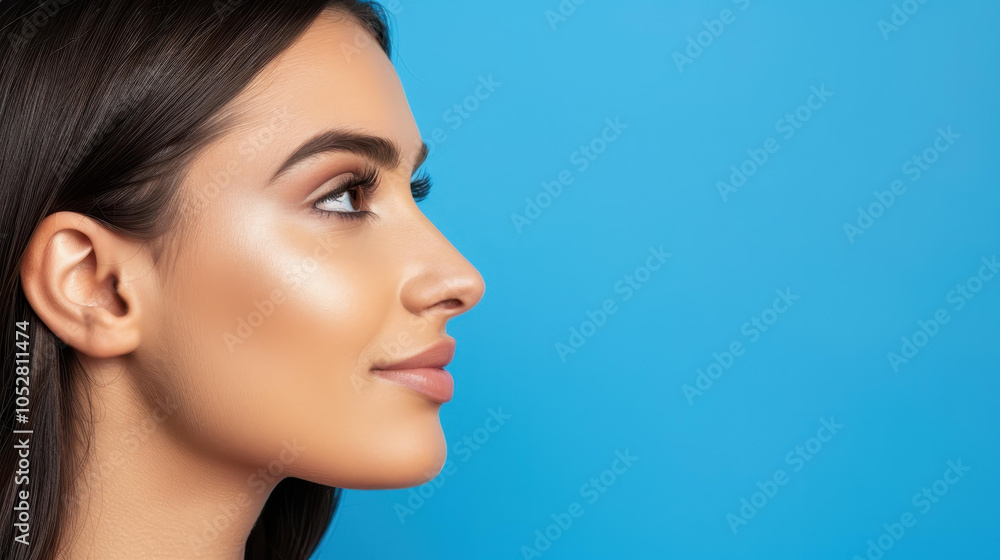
(424, 372)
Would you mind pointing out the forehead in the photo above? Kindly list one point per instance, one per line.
(334, 76)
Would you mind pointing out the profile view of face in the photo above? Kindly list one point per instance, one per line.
(299, 314)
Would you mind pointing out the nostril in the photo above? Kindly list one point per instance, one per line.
(450, 304)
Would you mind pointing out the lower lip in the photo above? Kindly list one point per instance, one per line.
(433, 383)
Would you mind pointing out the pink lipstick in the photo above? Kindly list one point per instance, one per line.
(424, 372)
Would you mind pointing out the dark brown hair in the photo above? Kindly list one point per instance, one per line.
(102, 105)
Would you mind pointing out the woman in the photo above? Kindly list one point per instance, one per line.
(224, 302)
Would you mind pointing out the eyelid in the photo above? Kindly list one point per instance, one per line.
(367, 179)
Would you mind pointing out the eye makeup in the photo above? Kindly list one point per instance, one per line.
(361, 187)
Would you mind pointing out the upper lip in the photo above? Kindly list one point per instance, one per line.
(436, 356)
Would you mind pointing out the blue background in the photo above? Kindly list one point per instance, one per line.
(656, 185)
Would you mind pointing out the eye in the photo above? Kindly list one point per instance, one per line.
(346, 202)
(350, 198)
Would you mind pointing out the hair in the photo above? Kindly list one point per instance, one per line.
(103, 104)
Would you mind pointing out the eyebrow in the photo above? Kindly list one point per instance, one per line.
(384, 152)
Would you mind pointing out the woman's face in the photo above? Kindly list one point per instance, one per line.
(285, 292)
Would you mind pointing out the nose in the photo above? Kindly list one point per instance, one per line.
(441, 282)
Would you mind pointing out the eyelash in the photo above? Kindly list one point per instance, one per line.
(421, 186)
(367, 183)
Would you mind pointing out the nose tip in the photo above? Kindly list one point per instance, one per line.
(445, 289)
(466, 291)
(439, 281)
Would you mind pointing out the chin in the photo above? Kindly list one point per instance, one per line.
(411, 457)
(400, 456)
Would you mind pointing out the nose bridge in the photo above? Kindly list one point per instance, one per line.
(440, 280)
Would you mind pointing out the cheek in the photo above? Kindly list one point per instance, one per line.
(270, 321)
(308, 323)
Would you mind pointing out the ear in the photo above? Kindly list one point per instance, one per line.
(79, 278)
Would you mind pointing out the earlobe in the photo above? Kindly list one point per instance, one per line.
(78, 278)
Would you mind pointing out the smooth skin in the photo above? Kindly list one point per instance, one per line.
(243, 354)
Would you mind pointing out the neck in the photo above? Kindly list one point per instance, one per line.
(139, 493)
